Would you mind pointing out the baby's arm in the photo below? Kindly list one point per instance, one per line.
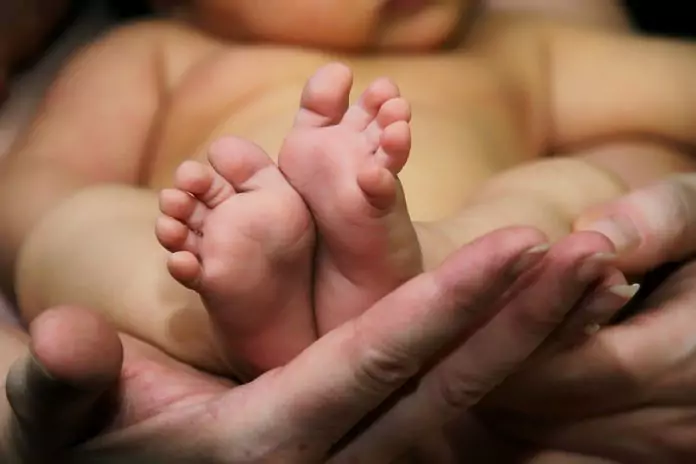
(608, 14)
(77, 221)
(623, 105)
(587, 88)
(616, 88)
(620, 86)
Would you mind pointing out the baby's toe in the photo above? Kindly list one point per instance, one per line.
(185, 268)
(395, 146)
(365, 110)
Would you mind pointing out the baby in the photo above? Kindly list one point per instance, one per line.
(280, 250)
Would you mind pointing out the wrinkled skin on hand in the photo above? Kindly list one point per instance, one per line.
(628, 392)
(93, 396)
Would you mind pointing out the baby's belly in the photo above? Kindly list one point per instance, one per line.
(463, 131)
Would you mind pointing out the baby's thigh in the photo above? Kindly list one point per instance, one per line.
(93, 127)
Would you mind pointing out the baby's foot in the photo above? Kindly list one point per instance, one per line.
(343, 162)
(243, 239)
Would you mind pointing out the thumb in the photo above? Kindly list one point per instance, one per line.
(649, 226)
(59, 392)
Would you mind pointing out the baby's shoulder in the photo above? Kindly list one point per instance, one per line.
(515, 29)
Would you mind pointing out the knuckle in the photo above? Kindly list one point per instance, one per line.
(460, 391)
(379, 371)
(627, 371)
(383, 367)
(676, 198)
(682, 199)
(673, 201)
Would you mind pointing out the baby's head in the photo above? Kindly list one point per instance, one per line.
(349, 24)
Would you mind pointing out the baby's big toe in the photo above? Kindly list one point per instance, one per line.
(325, 97)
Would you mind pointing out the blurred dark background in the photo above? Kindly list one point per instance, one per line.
(669, 17)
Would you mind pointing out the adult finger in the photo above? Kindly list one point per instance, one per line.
(618, 367)
(325, 391)
(58, 391)
(14, 342)
(600, 305)
(651, 225)
(493, 352)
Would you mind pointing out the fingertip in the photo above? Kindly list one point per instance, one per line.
(76, 346)
(600, 305)
(60, 392)
(618, 228)
(648, 226)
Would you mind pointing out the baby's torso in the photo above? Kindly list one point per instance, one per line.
(468, 122)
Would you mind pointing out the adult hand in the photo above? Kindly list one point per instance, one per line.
(88, 396)
(437, 406)
(83, 380)
(650, 226)
(628, 393)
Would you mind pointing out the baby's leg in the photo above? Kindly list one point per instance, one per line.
(244, 240)
(548, 194)
(98, 250)
(72, 142)
(70, 196)
(344, 161)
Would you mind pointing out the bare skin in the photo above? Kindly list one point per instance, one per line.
(480, 110)
(343, 161)
(63, 392)
(428, 461)
(243, 237)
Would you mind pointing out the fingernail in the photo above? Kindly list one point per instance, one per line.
(530, 257)
(607, 301)
(614, 296)
(620, 230)
(591, 266)
(624, 291)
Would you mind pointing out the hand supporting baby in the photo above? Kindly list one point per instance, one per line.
(93, 397)
(627, 395)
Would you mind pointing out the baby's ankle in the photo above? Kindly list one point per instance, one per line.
(435, 244)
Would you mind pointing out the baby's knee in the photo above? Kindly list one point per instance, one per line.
(570, 184)
(548, 195)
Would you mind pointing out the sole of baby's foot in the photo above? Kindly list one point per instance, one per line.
(243, 239)
(344, 160)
